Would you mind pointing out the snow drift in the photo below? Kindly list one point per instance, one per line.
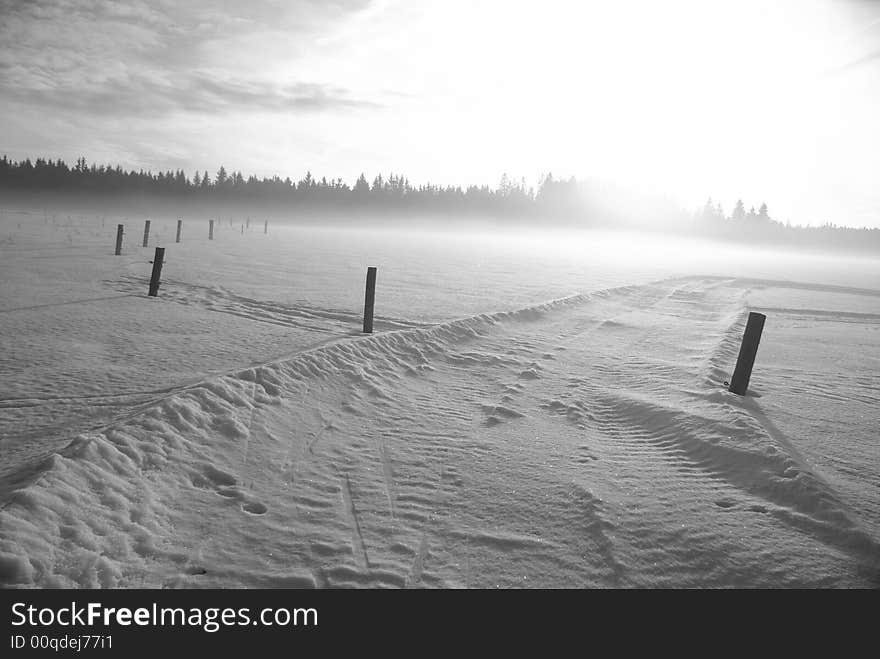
(586, 441)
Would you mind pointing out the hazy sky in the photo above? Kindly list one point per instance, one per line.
(768, 101)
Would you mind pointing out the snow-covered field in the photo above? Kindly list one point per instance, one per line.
(531, 411)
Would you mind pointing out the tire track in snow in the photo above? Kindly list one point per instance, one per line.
(254, 410)
(389, 480)
(357, 537)
(418, 565)
(302, 315)
(325, 426)
(691, 441)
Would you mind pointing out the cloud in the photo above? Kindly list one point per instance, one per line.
(139, 58)
(143, 95)
(857, 63)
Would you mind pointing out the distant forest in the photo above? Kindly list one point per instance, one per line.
(560, 201)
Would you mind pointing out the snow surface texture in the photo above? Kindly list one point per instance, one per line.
(238, 431)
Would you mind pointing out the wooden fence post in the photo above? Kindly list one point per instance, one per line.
(739, 383)
(369, 300)
(179, 227)
(119, 232)
(157, 271)
(210, 229)
(146, 232)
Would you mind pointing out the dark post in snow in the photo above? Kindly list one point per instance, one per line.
(146, 232)
(266, 226)
(179, 227)
(157, 271)
(242, 229)
(369, 300)
(210, 229)
(739, 383)
(119, 231)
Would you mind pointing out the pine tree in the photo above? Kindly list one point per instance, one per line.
(709, 210)
(361, 187)
(739, 212)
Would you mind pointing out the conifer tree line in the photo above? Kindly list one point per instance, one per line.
(509, 196)
(394, 191)
(714, 212)
(554, 197)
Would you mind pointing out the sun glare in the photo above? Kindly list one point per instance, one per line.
(685, 98)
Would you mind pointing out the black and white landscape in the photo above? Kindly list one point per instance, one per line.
(544, 398)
